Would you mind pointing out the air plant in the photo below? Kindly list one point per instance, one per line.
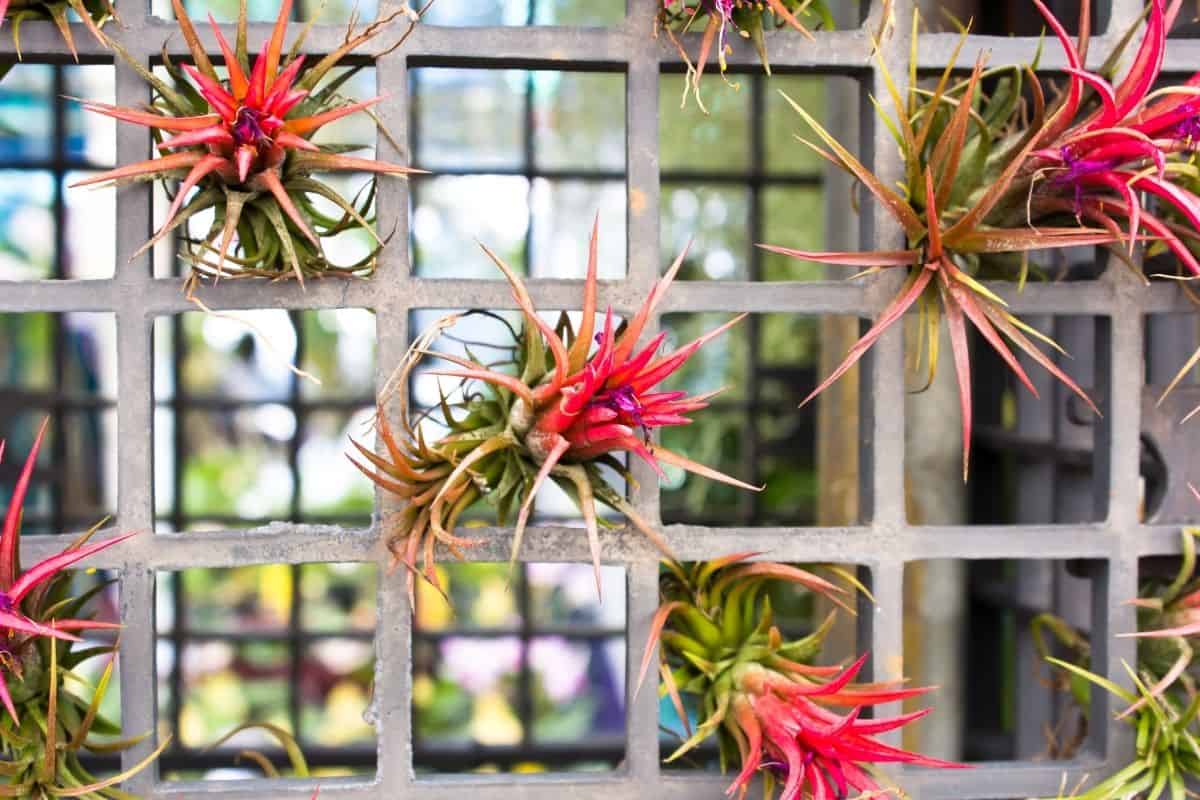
(94, 14)
(1097, 159)
(1169, 622)
(46, 724)
(1164, 707)
(575, 401)
(990, 178)
(1167, 742)
(245, 144)
(723, 18)
(771, 709)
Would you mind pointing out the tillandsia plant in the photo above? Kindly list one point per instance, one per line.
(748, 19)
(245, 144)
(46, 723)
(1163, 708)
(1166, 748)
(771, 709)
(990, 178)
(575, 400)
(723, 18)
(94, 14)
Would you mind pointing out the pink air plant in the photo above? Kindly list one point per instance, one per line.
(770, 707)
(789, 727)
(1106, 160)
(575, 399)
(246, 142)
(20, 589)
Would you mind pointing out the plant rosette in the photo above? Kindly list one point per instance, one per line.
(245, 144)
(94, 14)
(773, 712)
(571, 402)
(46, 721)
(721, 19)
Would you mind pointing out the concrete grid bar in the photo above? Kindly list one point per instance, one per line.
(884, 543)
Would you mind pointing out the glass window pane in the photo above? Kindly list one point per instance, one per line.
(714, 219)
(451, 214)
(26, 225)
(469, 119)
(331, 487)
(91, 137)
(235, 465)
(26, 122)
(562, 211)
(783, 152)
(91, 231)
(794, 216)
(579, 120)
(689, 139)
(339, 347)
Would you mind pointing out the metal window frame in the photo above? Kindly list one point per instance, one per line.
(883, 543)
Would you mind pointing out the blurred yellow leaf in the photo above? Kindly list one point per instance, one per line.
(343, 719)
(493, 721)
(422, 690)
(494, 606)
(275, 590)
(433, 612)
(528, 768)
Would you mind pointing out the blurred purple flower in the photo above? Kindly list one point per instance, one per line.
(478, 664)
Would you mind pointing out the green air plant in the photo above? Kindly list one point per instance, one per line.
(567, 403)
(47, 722)
(94, 14)
(1164, 706)
(1169, 623)
(991, 177)
(1166, 747)
(770, 708)
(749, 18)
(244, 143)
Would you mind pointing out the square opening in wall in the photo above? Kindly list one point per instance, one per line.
(755, 431)
(525, 674)
(242, 439)
(47, 229)
(60, 368)
(768, 625)
(290, 646)
(981, 631)
(1167, 441)
(736, 177)
(464, 402)
(523, 159)
(1034, 459)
